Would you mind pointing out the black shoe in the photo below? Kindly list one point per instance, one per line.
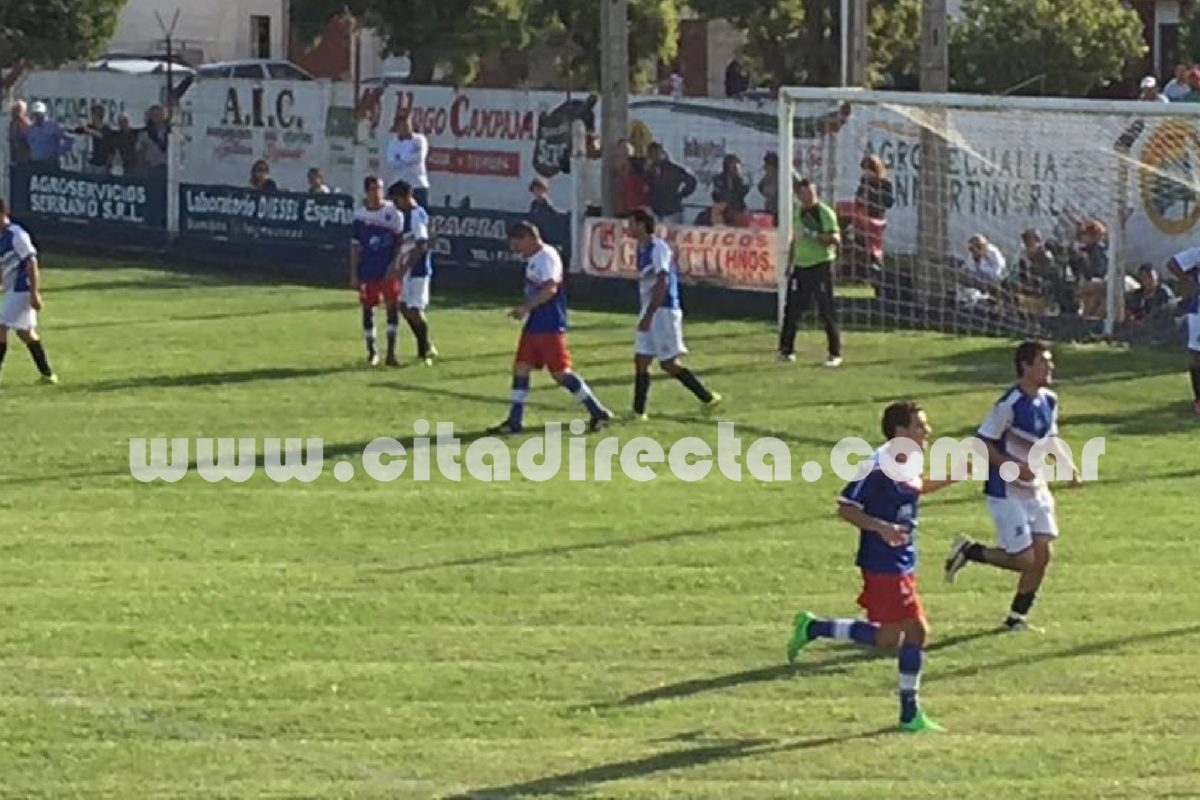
(600, 422)
(505, 428)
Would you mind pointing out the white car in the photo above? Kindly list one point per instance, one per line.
(256, 69)
(128, 64)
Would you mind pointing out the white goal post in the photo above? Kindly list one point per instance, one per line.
(1095, 180)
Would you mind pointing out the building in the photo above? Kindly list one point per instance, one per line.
(207, 30)
(1161, 21)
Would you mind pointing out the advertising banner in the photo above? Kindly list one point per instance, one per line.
(306, 222)
(86, 209)
(477, 238)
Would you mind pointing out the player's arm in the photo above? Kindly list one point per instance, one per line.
(355, 258)
(417, 154)
(35, 279)
(1188, 288)
(420, 234)
(546, 292)
(893, 534)
(830, 235)
(992, 432)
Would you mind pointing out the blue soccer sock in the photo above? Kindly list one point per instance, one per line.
(368, 325)
(910, 660)
(583, 393)
(393, 324)
(520, 390)
(855, 630)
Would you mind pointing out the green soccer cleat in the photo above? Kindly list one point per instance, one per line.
(712, 404)
(800, 635)
(50, 380)
(921, 724)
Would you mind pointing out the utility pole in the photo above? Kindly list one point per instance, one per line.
(858, 54)
(933, 205)
(614, 90)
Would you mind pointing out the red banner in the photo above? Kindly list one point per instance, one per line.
(474, 162)
(741, 258)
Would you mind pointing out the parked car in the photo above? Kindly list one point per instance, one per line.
(139, 64)
(258, 70)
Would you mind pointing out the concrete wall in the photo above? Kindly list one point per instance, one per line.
(220, 29)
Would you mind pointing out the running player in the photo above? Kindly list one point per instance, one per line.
(21, 278)
(1185, 268)
(544, 337)
(660, 323)
(374, 256)
(885, 512)
(416, 264)
(1023, 510)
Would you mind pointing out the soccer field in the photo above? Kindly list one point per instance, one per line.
(561, 639)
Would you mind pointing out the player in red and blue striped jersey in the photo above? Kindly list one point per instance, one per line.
(544, 336)
(374, 255)
(1185, 268)
(884, 511)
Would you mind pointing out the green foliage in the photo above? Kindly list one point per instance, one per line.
(1076, 46)
(46, 33)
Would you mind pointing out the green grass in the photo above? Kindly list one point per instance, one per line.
(561, 639)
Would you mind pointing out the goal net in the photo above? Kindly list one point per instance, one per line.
(994, 215)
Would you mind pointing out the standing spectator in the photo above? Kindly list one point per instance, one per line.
(316, 182)
(813, 251)
(1150, 298)
(1149, 90)
(125, 140)
(1093, 251)
(406, 156)
(737, 82)
(152, 143)
(669, 184)
(674, 84)
(18, 126)
(1177, 88)
(630, 180)
(732, 185)
(260, 177)
(46, 140)
(875, 193)
(541, 202)
(768, 185)
(103, 139)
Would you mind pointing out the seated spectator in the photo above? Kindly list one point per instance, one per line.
(768, 185)
(1093, 267)
(1177, 88)
(1152, 298)
(716, 215)
(732, 185)
(1041, 272)
(984, 261)
(1149, 90)
(260, 177)
(316, 182)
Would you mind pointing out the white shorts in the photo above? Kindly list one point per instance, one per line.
(664, 340)
(416, 293)
(1018, 518)
(16, 313)
(1192, 326)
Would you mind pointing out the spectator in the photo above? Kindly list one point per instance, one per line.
(152, 142)
(1193, 83)
(985, 262)
(406, 156)
(1149, 90)
(669, 184)
(541, 202)
(125, 140)
(1177, 88)
(1040, 272)
(1152, 297)
(1093, 263)
(715, 215)
(768, 185)
(18, 126)
(737, 82)
(633, 192)
(732, 185)
(674, 84)
(813, 251)
(260, 177)
(46, 140)
(103, 139)
(316, 182)
(875, 193)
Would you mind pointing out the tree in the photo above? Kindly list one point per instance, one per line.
(799, 41)
(573, 28)
(1050, 46)
(47, 33)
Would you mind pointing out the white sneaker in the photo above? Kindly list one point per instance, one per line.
(373, 360)
(785, 358)
(833, 361)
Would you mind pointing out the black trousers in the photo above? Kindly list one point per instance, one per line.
(807, 285)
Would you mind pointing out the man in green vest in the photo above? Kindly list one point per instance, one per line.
(815, 241)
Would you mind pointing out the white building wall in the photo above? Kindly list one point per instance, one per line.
(218, 29)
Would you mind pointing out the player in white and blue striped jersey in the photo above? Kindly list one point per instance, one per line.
(660, 321)
(416, 267)
(20, 276)
(1185, 268)
(1022, 509)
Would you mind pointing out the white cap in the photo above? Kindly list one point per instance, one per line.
(1149, 82)
(38, 108)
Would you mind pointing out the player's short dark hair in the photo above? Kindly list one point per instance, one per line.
(1027, 353)
(899, 415)
(646, 218)
(524, 229)
(400, 189)
(370, 181)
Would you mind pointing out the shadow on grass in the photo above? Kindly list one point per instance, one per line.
(1172, 417)
(993, 364)
(570, 549)
(567, 783)
(847, 657)
(195, 379)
